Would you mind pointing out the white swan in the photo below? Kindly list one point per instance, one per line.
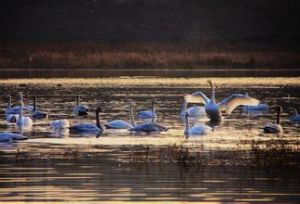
(37, 114)
(121, 124)
(149, 127)
(80, 109)
(60, 124)
(87, 127)
(148, 114)
(274, 127)
(12, 113)
(23, 121)
(9, 109)
(214, 109)
(16, 109)
(294, 116)
(60, 132)
(194, 111)
(9, 137)
(198, 129)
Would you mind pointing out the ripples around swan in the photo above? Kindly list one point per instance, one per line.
(59, 180)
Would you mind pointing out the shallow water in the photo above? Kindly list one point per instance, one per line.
(59, 103)
(61, 181)
(87, 181)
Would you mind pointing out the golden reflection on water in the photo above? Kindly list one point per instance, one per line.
(105, 181)
(62, 181)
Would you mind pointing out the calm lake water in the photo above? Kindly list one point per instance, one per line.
(59, 180)
(89, 181)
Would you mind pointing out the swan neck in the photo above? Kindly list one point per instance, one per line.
(153, 106)
(213, 96)
(78, 100)
(183, 108)
(9, 101)
(132, 116)
(98, 123)
(187, 125)
(153, 110)
(21, 111)
(21, 130)
(278, 116)
(34, 103)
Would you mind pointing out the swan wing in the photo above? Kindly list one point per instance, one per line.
(199, 129)
(12, 118)
(149, 127)
(272, 128)
(196, 111)
(296, 118)
(81, 110)
(196, 97)
(146, 114)
(39, 114)
(8, 137)
(235, 100)
(13, 110)
(25, 122)
(258, 108)
(118, 124)
(84, 127)
(57, 124)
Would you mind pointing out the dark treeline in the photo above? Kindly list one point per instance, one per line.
(212, 23)
(150, 34)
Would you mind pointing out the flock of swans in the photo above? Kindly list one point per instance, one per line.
(212, 109)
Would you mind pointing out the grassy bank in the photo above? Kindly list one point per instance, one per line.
(140, 56)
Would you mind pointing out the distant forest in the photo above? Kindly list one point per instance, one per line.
(150, 33)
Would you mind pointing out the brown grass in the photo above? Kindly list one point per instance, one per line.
(271, 153)
(139, 55)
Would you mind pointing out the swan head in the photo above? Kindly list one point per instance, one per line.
(277, 108)
(165, 128)
(292, 111)
(131, 102)
(98, 109)
(20, 95)
(210, 83)
(153, 101)
(13, 119)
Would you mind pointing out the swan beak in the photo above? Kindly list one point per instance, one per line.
(166, 128)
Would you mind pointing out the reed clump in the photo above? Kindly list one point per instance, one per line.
(274, 153)
(262, 154)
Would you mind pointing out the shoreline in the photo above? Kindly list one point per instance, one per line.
(156, 72)
(127, 81)
(267, 155)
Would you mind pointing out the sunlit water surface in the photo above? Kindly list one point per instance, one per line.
(62, 181)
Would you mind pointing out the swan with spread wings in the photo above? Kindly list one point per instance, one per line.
(213, 109)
